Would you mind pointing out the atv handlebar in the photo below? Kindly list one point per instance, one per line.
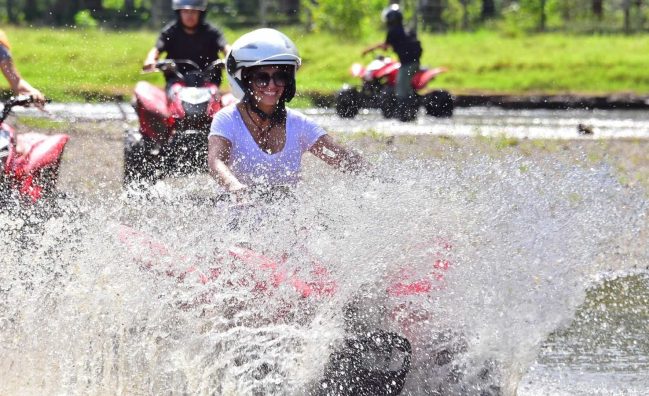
(20, 100)
(171, 66)
(377, 53)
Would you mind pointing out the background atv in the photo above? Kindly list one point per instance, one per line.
(378, 91)
(29, 162)
(172, 137)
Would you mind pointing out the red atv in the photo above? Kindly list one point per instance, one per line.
(378, 91)
(347, 372)
(172, 137)
(29, 163)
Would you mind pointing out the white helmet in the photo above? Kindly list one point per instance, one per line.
(261, 47)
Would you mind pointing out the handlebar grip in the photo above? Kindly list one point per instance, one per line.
(30, 99)
(23, 100)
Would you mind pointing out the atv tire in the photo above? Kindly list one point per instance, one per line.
(407, 109)
(439, 104)
(388, 103)
(351, 371)
(347, 105)
(139, 163)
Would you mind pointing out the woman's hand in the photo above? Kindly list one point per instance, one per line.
(239, 192)
(218, 152)
(338, 155)
(35, 94)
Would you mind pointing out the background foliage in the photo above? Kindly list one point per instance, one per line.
(349, 18)
(92, 49)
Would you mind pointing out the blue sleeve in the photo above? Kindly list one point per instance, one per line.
(5, 55)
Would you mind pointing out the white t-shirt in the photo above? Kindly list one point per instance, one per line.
(250, 164)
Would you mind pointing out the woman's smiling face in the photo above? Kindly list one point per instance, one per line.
(268, 84)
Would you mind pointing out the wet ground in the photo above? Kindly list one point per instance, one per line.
(467, 121)
(569, 362)
(93, 158)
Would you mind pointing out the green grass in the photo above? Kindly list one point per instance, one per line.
(550, 63)
(43, 123)
(81, 64)
(76, 64)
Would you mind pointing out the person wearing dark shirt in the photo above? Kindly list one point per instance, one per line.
(189, 37)
(407, 47)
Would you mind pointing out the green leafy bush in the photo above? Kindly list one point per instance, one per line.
(347, 18)
(83, 19)
(454, 14)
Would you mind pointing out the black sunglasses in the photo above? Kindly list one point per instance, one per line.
(262, 79)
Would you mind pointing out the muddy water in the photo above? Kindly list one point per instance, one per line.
(549, 250)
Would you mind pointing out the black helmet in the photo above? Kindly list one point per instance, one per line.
(392, 15)
(200, 5)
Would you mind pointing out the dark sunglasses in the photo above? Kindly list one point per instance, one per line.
(262, 79)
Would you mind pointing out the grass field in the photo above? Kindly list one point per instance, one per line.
(73, 65)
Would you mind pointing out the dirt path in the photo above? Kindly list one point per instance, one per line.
(92, 161)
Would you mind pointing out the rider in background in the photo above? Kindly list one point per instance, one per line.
(259, 142)
(189, 37)
(18, 85)
(407, 47)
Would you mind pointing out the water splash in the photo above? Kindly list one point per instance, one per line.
(82, 311)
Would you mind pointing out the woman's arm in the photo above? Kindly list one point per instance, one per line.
(218, 153)
(338, 155)
(17, 83)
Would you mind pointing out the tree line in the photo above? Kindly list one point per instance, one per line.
(348, 17)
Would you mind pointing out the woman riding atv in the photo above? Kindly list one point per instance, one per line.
(260, 142)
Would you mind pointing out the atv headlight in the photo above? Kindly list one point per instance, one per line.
(194, 95)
